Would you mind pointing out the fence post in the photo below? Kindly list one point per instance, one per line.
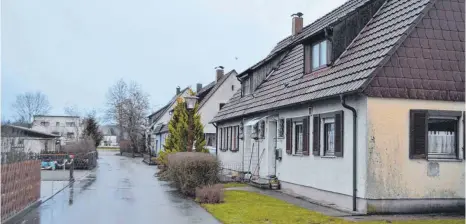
(72, 169)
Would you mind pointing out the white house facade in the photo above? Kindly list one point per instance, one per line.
(212, 98)
(362, 123)
(70, 128)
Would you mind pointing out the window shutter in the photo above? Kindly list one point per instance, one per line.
(316, 135)
(289, 135)
(464, 136)
(307, 59)
(339, 134)
(306, 136)
(418, 134)
(221, 139)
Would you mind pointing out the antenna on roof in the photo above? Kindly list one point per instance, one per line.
(298, 14)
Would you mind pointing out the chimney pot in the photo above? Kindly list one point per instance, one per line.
(198, 87)
(219, 73)
(178, 90)
(297, 23)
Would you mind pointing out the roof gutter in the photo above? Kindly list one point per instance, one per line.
(355, 115)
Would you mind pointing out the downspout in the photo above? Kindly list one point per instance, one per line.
(216, 139)
(355, 190)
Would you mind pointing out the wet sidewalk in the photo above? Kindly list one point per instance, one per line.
(119, 190)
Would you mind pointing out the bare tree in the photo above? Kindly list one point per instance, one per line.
(29, 104)
(127, 105)
(116, 95)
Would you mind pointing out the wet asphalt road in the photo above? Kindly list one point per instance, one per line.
(119, 190)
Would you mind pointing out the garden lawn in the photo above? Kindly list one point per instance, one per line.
(234, 184)
(250, 208)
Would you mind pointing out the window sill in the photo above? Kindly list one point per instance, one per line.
(298, 155)
(328, 157)
(444, 160)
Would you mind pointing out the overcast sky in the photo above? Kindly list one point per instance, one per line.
(74, 50)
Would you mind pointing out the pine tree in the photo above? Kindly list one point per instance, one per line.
(178, 129)
(199, 139)
(92, 130)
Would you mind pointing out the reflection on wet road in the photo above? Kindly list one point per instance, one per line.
(120, 190)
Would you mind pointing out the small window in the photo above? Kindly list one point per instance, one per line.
(70, 124)
(220, 105)
(70, 135)
(281, 128)
(319, 55)
(246, 88)
(57, 124)
(44, 123)
(262, 129)
(298, 138)
(232, 87)
(329, 136)
(434, 134)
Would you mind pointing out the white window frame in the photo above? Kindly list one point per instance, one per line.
(320, 53)
(293, 143)
(453, 155)
(323, 121)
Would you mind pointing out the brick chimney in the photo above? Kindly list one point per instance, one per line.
(178, 90)
(218, 73)
(198, 87)
(297, 21)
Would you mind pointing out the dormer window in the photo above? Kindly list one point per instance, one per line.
(316, 55)
(319, 55)
(246, 87)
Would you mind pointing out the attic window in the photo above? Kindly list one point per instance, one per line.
(246, 87)
(316, 56)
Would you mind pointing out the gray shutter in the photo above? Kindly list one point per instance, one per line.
(306, 136)
(307, 59)
(221, 139)
(339, 133)
(316, 135)
(289, 135)
(418, 134)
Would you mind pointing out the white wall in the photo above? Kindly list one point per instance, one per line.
(61, 128)
(329, 174)
(221, 95)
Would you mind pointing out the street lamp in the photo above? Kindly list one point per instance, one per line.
(190, 103)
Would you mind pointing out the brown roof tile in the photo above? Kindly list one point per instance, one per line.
(403, 75)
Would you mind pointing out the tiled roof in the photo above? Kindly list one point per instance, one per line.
(287, 85)
(25, 131)
(215, 87)
(429, 65)
(157, 114)
(205, 90)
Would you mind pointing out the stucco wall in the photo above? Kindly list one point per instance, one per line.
(61, 128)
(391, 174)
(221, 95)
(329, 174)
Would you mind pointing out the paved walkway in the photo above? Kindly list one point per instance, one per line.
(119, 190)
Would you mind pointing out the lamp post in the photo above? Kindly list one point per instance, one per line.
(190, 103)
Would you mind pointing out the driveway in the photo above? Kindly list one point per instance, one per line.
(119, 190)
